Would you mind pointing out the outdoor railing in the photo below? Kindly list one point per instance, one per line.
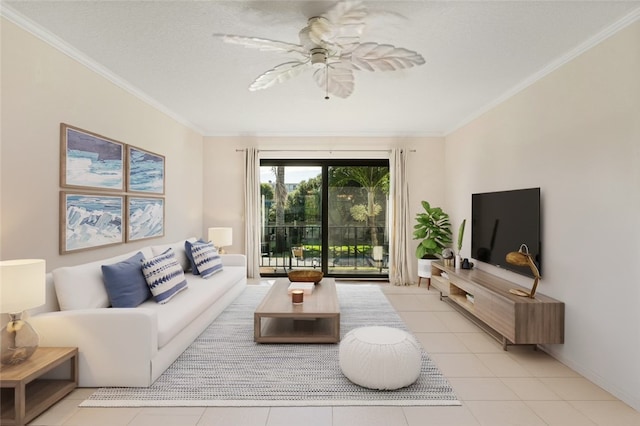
(299, 246)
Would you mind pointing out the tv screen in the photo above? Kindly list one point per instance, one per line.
(501, 222)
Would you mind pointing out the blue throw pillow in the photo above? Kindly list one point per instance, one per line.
(164, 275)
(124, 282)
(187, 249)
(207, 259)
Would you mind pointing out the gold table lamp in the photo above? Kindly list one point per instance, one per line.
(522, 257)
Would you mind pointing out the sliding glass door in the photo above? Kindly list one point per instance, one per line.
(325, 214)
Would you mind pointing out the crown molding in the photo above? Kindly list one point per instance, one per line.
(64, 47)
(552, 66)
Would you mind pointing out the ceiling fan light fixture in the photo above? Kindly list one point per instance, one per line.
(318, 57)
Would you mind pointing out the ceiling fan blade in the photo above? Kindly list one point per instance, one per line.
(341, 81)
(382, 57)
(262, 44)
(279, 74)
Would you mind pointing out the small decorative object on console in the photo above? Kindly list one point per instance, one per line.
(523, 258)
(447, 255)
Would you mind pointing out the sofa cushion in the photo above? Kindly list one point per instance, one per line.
(187, 306)
(82, 286)
(207, 259)
(125, 283)
(164, 275)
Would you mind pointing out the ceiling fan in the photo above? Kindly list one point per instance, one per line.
(330, 44)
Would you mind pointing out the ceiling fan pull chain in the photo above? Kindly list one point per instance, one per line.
(326, 76)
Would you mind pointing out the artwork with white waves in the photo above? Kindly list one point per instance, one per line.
(92, 161)
(146, 218)
(146, 172)
(92, 221)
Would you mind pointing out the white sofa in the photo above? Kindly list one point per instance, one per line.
(131, 347)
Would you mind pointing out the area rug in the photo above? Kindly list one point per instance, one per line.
(225, 367)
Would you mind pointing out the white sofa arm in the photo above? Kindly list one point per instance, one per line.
(234, 259)
(115, 344)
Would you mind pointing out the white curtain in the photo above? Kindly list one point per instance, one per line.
(399, 259)
(252, 211)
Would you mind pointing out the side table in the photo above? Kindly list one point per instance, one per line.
(25, 395)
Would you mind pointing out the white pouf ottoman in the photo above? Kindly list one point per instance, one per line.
(380, 357)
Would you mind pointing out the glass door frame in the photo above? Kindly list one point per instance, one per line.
(325, 164)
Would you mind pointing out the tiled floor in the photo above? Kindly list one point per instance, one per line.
(517, 387)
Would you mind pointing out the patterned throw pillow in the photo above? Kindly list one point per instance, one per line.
(188, 245)
(164, 276)
(207, 259)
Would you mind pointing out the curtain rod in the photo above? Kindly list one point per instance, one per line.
(323, 150)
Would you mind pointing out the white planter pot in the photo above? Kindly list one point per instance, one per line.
(424, 270)
(424, 267)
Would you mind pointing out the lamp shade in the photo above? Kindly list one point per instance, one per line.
(221, 237)
(22, 284)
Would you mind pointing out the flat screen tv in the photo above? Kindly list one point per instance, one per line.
(501, 222)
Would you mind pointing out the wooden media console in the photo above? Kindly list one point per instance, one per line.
(516, 319)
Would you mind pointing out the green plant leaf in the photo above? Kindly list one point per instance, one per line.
(461, 234)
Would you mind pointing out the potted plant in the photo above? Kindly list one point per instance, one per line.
(434, 230)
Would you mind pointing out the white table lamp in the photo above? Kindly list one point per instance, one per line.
(22, 287)
(221, 237)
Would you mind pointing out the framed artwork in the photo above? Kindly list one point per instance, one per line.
(90, 161)
(89, 221)
(145, 171)
(145, 218)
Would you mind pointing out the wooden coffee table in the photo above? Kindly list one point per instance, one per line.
(316, 320)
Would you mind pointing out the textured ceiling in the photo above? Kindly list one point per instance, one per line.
(476, 53)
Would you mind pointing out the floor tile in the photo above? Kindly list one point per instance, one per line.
(480, 342)
(368, 416)
(530, 389)
(58, 414)
(502, 365)
(234, 416)
(296, 416)
(423, 322)
(441, 343)
(457, 323)
(559, 413)
(539, 363)
(461, 365)
(102, 417)
(576, 389)
(168, 416)
(440, 416)
(608, 413)
(504, 413)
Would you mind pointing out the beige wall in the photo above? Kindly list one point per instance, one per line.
(224, 180)
(42, 87)
(576, 135)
